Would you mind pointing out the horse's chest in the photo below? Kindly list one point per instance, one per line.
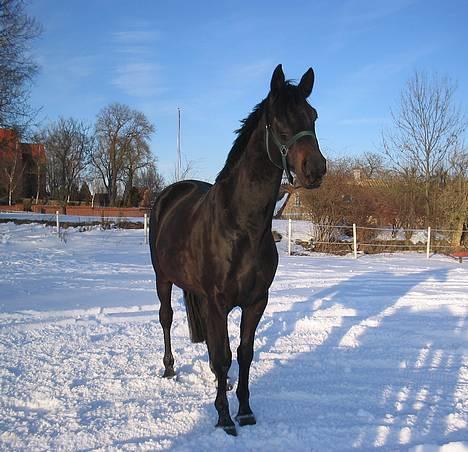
(247, 275)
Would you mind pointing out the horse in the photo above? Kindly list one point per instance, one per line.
(215, 241)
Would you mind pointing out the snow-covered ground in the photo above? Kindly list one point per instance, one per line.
(30, 216)
(350, 354)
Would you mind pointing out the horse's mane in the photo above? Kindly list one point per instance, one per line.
(248, 125)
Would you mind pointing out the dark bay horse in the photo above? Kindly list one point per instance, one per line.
(215, 241)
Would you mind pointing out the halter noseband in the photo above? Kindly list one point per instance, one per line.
(284, 148)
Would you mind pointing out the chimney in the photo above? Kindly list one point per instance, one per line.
(357, 174)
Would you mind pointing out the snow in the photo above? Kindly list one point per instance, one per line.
(350, 354)
(280, 203)
(396, 234)
(32, 216)
(416, 236)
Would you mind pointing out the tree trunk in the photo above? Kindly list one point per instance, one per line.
(458, 235)
(428, 201)
(38, 183)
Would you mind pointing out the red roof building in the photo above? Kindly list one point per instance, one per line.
(22, 167)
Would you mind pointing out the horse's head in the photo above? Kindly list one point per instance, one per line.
(290, 130)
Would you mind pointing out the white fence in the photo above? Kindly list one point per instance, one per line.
(58, 219)
(363, 239)
(326, 237)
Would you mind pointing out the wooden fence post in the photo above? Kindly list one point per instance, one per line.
(58, 222)
(355, 240)
(428, 250)
(145, 228)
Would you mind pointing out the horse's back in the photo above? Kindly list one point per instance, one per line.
(171, 211)
(176, 193)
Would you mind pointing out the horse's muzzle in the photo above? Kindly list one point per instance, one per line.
(309, 185)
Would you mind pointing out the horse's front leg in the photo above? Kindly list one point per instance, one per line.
(251, 315)
(220, 360)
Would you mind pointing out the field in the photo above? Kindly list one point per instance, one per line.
(350, 354)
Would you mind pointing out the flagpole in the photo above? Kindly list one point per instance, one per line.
(178, 163)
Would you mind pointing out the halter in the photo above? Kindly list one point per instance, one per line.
(284, 148)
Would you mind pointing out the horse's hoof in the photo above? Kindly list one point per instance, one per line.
(169, 373)
(245, 419)
(229, 429)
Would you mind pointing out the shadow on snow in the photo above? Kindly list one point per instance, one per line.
(382, 376)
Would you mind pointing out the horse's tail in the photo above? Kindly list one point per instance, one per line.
(197, 327)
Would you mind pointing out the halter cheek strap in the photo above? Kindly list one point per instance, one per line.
(284, 148)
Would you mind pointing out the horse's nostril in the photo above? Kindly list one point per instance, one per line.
(313, 168)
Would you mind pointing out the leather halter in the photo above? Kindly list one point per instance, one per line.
(284, 148)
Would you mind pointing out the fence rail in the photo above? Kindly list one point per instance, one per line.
(358, 239)
(59, 219)
(352, 238)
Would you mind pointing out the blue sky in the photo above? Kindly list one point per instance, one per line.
(214, 60)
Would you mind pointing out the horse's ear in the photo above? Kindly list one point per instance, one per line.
(277, 79)
(307, 82)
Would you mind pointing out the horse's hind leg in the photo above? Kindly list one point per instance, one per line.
(164, 289)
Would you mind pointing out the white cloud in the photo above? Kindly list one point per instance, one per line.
(135, 71)
(254, 70)
(359, 13)
(135, 36)
(139, 79)
(356, 17)
(360, 121)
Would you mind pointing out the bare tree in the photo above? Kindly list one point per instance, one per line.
(454, 198)
(427, 130)
(183, 170)
(40, 165)
(11, 167)
(371, 164)
(151, 181)
(17, 68)
(69, 144)
(122, 146)
(136, 160)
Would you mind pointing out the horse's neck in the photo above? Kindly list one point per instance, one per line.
(251, 189)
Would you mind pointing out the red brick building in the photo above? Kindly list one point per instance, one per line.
(22, 168)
